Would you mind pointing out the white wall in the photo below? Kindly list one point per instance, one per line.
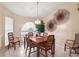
(68, 29)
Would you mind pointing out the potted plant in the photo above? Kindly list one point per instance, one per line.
(40, 27)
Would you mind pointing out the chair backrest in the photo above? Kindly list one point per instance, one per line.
(37, 35)
(26, 39)
(26, 35)
(10, 36)
(76, 38)
(30, 34)
(51, 39)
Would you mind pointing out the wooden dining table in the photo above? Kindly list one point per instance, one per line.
(38, 40)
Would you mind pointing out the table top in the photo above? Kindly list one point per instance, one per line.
(39, 39)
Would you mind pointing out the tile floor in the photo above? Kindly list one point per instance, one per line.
(20, 52)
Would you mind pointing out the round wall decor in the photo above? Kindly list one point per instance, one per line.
(51, 26)
(61, 16)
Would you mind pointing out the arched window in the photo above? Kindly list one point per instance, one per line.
(28, 27)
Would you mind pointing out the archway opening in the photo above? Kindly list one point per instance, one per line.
(28, 27)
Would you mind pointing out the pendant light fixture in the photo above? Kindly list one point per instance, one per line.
(37, 21)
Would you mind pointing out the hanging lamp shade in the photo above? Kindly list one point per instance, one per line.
(37, 21)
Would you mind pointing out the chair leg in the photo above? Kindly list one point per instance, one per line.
(75, 50)
(14, 46)
(24, 43)
(52, 52)
(54, 49)
(65, 47)
(70, 52)
(26, 49)
(29, 52)
(45, 53)
(19, 43)
(8, 45)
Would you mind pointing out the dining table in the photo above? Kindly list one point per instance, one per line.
(38, 40)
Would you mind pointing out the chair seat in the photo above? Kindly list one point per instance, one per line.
(30, 44)
(71, 45)
(45, 46)
(16, 40)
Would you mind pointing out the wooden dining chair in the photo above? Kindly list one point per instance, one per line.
(72, 44)
(49, 45)
(29, 45)
(13, 40)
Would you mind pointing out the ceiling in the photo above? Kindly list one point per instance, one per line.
(30, 8)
